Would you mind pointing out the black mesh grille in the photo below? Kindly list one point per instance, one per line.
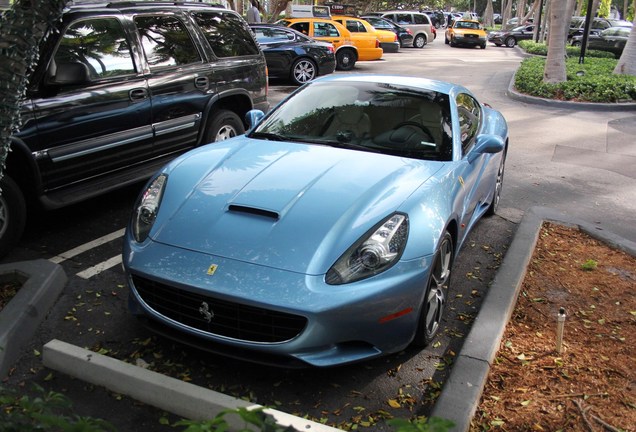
(233, 320)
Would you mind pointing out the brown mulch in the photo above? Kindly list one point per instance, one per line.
(591, 384)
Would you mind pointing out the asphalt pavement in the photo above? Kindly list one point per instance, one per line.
(136, 398)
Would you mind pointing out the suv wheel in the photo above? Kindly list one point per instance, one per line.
(12, 214)
(225, 124)
(419, 41)
(345, 60)
(303, 70)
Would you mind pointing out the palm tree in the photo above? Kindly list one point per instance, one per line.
(554, 71)
(22, 28)
(627, 63)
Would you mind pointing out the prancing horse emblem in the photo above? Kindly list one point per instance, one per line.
(204, 310)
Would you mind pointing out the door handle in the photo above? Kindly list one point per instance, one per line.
(138, 94)
(201, 82)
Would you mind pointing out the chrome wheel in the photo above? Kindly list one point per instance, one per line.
(436, 292)
(303, 71)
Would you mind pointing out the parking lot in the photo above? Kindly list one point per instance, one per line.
(579, 162)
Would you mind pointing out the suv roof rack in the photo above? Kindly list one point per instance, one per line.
(124, 3)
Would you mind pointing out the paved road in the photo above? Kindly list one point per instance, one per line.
(548, 164)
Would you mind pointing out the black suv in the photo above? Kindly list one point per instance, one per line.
(119, 90)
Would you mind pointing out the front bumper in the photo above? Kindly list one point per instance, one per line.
(341, 324)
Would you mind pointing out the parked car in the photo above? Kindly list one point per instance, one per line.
(120, 90)
(405, 37)
(577, 25)
(466, 32)
(293, 56)
(510, 38)
(326, 235)
(361, 28)
(612, 40)
(497, 18)
(347, 54)
(438, 19)
(418, 23)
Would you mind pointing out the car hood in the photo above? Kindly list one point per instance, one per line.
(289, 206)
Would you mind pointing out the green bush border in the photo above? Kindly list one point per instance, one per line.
(591, 81)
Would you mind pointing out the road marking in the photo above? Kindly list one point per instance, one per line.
(96, 269)
(86, 246)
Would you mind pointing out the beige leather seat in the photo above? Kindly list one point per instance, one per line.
(349, 119)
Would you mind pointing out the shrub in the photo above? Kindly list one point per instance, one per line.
(592, 81)
(541, 49)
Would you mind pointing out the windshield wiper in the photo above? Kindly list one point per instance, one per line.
(267, 136)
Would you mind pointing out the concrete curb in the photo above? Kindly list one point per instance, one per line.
(587, 106)
(170, 394)
(42, 282)
(462, 391)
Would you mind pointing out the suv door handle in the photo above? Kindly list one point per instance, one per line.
(138, 94)
(201, 82)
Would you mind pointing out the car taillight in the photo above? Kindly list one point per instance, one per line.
(409, 31)
(377, 43)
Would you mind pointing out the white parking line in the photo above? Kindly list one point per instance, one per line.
(86, 246)
(96, 269)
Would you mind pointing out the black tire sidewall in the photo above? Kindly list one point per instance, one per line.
(13, 199)
(219, 119)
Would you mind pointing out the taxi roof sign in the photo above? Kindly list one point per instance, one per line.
(309, 11)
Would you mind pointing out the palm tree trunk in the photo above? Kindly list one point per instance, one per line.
(554, 71)
(22, 28)
(627, 63)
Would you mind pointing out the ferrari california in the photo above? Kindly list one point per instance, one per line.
(326, 234)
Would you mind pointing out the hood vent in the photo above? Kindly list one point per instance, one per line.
(254, 211)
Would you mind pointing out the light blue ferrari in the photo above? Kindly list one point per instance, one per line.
(326, 234)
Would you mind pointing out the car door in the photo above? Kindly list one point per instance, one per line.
(178, 80)
(91, 107)
(277, 44)
(470, 172)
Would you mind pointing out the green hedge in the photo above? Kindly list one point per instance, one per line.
(592, 81)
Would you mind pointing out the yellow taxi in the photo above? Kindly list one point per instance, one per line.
(360, 27)
(348, 49)
(466, 32)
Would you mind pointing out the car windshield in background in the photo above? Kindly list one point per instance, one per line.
(374, 117)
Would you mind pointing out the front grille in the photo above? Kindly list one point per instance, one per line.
(230, 319)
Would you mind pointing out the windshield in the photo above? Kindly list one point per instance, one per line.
(374, 117)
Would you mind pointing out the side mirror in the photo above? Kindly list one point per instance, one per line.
(71, 74)
(485, 144)
(253, 117)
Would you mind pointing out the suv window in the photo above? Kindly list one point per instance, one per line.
(226, 34)
(469, 118)
(166, 41)
(100, 45)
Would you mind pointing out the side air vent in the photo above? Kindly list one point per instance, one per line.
(253, 211)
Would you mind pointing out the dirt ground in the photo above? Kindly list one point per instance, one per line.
(591, 384)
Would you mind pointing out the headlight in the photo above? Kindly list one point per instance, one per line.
(377, 251)
(146, 208)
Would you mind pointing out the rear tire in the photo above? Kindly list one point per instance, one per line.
(225, 124)
(345, 60)
(12, 214)
(303, 71)
(419, 41)
(494, 205)
(432, 309)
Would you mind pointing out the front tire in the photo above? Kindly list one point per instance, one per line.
(303, 71)
(345, 60)
(12, 214)
(511, 42)
(225, 124)
(419, 41)
(436, 294)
